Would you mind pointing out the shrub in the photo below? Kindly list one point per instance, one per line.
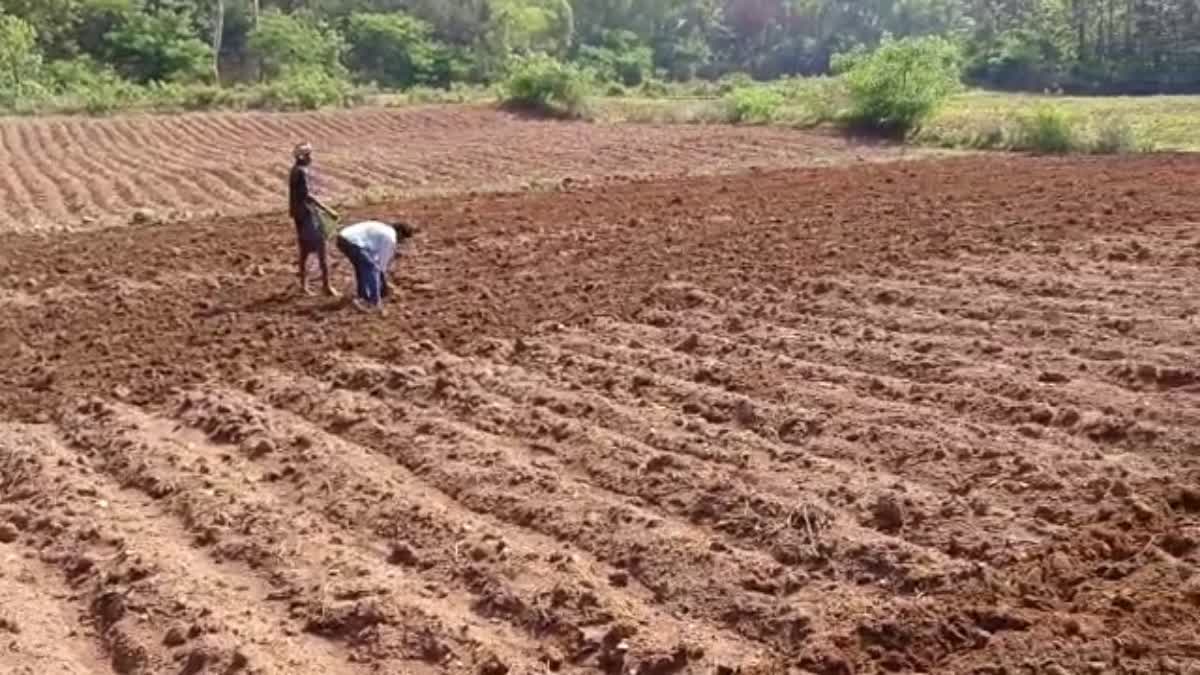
(305, 90)
(812, 100)
(79, 73)
(110, 97)
(898, 86)
(731, 82)
(545, 84)
(755, 105)
(654, 88)
(1047, 129)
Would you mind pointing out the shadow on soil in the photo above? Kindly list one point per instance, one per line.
(282, 303)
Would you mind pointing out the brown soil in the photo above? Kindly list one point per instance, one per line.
(925, 417)
(83, 173)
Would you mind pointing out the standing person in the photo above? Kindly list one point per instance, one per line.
(370, 247)
(303, 205)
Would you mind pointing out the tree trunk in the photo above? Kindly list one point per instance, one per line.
(1083, 26)
(218, 33)
(254, 5)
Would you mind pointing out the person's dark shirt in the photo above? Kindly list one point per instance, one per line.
(298, 192)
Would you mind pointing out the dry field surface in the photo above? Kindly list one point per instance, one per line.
(78, 172)
(920, 417)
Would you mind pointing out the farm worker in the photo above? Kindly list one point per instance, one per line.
(303, 205)
(370, 246)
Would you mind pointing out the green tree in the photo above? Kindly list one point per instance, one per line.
(159, 47)
(621, 58)
(285, 43)
(54, 20)
(20, 58)
(92, 20)
(533, 26)
(394, 50)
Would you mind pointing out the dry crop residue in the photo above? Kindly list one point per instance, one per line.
(936, 417)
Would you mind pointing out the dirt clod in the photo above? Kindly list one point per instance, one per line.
(1179, 544)
(403, 554)
(1187, 499)
(9, 625)
(175, 636)
(888, 513)
(8, 533)
(494, 666)
(689, 344)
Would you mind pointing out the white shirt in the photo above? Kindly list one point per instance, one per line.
(376, 238)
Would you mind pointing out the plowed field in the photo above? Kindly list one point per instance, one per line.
(922, 417)
(82, 173)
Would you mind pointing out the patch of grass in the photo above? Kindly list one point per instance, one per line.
(1115, 135)
(972, 120)
(662, 111)
(794, 102)
(1102, 124)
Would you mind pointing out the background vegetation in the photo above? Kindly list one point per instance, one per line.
(891, 66)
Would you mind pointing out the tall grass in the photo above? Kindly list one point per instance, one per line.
(1047, 129)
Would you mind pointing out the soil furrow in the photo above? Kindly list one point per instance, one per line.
(342, 592)
(154, 602)
(514, 574)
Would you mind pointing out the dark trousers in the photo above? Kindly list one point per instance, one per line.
(368, 278)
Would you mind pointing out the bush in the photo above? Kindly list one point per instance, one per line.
(812, 100)
(654, 89)
(545, 84)
(79, 73)
(898, 86)
(755, 105)
(110, 97)
(731, 82)
(1047, 129)
(305, 90)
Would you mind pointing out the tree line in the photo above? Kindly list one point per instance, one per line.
(1092, 46)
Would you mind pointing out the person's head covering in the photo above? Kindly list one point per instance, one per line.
(302, 150)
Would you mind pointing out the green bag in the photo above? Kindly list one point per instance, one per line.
(329, 225)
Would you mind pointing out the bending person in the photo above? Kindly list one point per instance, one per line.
(370, 247)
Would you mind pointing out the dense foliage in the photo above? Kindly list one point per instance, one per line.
(896, 87)
(48, 47)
